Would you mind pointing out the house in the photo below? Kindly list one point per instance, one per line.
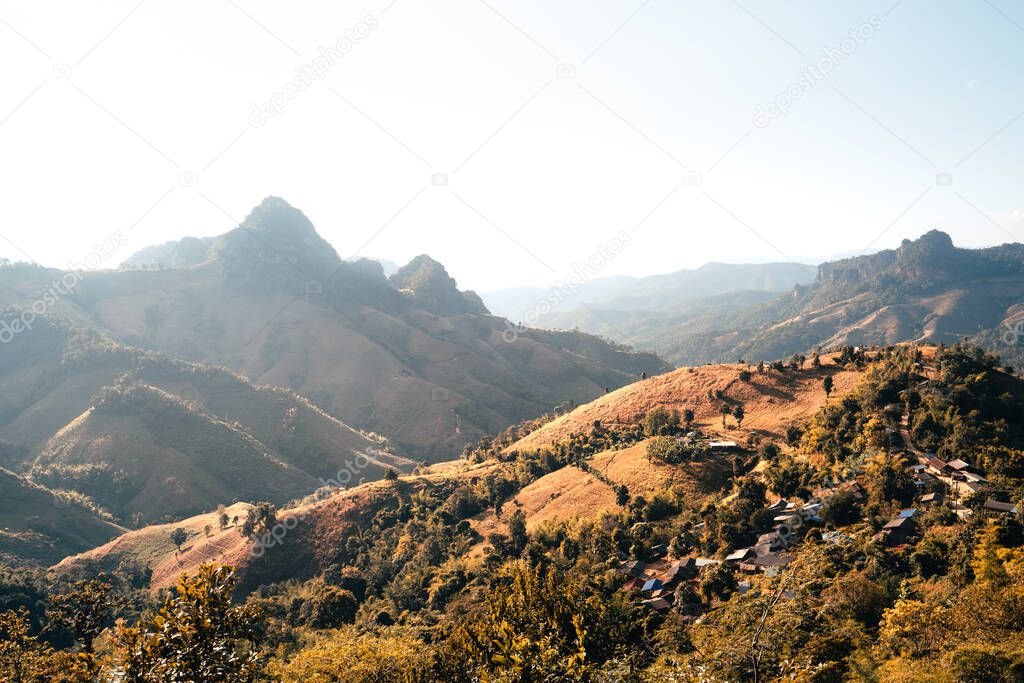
(938, 467)
(853, 488)
(680, 570)
(773, 560)
(961, 466)
(657, 604)
(652, 585)
(930, 499)
(811, 509)
(768, 543)
(993, 505)
(964, 488)
(897, 530)
(705, 562)
(779, 505)
(910, 512)
(634, 568)
(834, 537)
(739, 555)
(749, 568)
(658, 552)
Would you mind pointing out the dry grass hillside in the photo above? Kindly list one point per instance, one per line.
(307, 548)
(771, 401)
(152, 547)
(571, 493)
(148, 437)
(39, 526)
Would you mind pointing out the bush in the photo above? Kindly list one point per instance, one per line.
(975, 665)
(332, 607)
(659, 421)
(670, 450)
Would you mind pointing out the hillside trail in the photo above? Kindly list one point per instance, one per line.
(908, 442)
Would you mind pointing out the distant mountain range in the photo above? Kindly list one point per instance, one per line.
(637, 296)
(926, 290)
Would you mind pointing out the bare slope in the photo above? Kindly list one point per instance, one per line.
(771, 400)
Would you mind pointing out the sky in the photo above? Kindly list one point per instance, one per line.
(511, 140)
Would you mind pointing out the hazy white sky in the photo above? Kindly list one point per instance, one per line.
(558, 124)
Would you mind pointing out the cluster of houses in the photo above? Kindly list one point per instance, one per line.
(961, 479)
(655, 582)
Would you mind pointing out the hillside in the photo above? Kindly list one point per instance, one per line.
(583, 492)
(412, 358)
(148, 437)
(40, 526)
(650, 536)
(771, 400)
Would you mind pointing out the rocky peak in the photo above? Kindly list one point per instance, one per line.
(430, 285)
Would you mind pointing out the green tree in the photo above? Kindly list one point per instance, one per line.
(726, 411)
(85, 610)
(890, 482)
(24, 659)
(197, 635)
(331, 607)
(659, 420)
(178, 536)
(259, 519)
(827, 384)
(739, 414)
(517, 536)
(539, 624)
(621, 495)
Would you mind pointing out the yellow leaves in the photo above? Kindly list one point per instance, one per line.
(914, 628)
(992, 562)
(390, 655)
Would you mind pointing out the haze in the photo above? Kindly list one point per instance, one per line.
(557, 125)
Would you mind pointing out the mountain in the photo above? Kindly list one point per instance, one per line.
(925, 290)
(148, 437)
(41, 526)
(637, 296)
(188, 251)
(431, 288)
(412, 357)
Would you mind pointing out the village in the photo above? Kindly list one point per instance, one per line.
(662, 583)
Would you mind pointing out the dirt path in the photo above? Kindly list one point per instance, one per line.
(908, 442)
